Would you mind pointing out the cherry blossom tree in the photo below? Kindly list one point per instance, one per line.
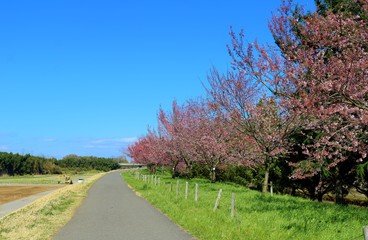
(169, 143)
(241, 97)
(330, 49)
(148, 150)
(177, 128)
(209, 137)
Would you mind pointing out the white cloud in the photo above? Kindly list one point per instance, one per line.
(48, 140)
(100, 146)
(3, 148)
(110, 143)
(115, 140)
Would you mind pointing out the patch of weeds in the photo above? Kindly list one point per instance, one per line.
(144, 187)
(54, 208)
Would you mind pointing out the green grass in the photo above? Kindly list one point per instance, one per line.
(257, 216)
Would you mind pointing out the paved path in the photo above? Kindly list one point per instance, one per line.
(112, 211)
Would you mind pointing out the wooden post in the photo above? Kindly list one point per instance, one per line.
(159, 181)
(177, 187)
(232, 205)
(186, 190)
(155, 180)
(151, 179)
(217, 200)
(196, 192)
(271, 188)
(365, 232)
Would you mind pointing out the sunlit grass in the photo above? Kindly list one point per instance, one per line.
(257, 216)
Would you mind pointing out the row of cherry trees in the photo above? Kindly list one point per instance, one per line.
(297, 112)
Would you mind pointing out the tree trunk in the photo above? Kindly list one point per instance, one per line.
(265, 180)
(189, 171)
(320, 197)
(339, 192)
(293, 191)
(213, 176)
(312, 192)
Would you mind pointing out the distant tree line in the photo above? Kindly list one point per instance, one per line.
(88, 163)
(17, 164)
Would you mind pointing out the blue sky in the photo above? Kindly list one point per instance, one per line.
(88, 77)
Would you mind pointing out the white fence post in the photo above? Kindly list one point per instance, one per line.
(271, 188)
(232, 205)
(365, 232)
(177, 187)
(186, 190)
(217, 200)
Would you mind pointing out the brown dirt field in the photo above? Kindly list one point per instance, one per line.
(11, 193)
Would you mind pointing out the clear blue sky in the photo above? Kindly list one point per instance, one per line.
(88, 77)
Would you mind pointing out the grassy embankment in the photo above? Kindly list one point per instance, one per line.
(257, 216)
(43, 218)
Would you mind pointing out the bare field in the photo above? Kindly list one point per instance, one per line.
(12, 193)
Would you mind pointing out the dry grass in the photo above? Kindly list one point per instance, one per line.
(44, 217)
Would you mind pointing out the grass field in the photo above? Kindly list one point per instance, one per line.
(43, 179)
(257, 216)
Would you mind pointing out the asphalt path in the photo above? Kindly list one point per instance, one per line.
(111, 210)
